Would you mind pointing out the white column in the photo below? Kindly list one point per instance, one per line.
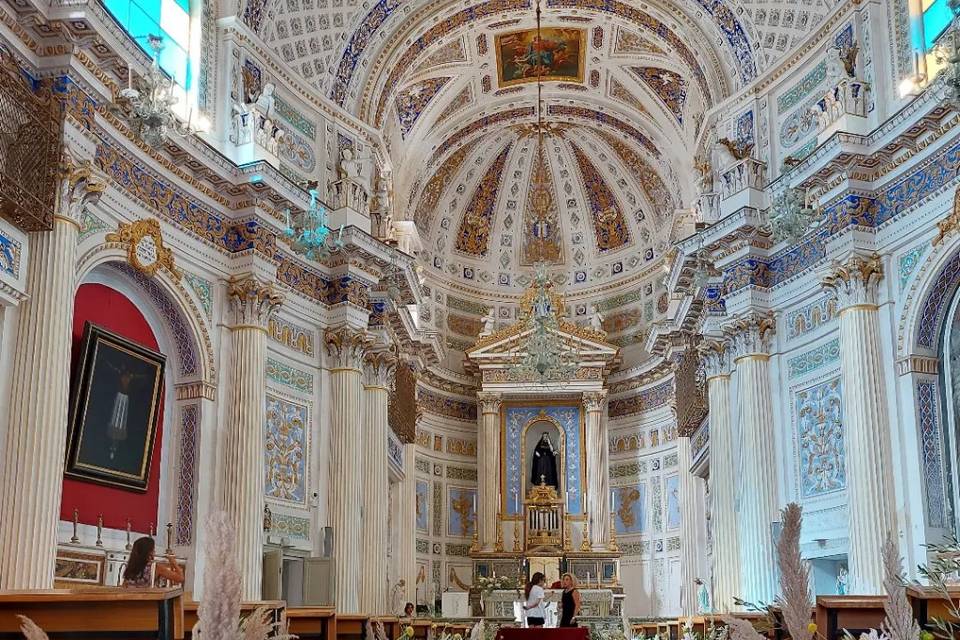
(252, 302)
(723, 470)
(408, 524)
(870, 497)
(689, 521)
(598, 495)
(488, 471)
(346, 348)
(750, 339)
(40, 381)
(377, 369)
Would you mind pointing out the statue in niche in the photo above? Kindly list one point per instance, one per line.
(241, 127)
(842, 580)
(543, 469)
(266, 100)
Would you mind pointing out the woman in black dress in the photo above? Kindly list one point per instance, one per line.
(569, 601)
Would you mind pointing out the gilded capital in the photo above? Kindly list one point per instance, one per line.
(253, 301)
(346, 347)
(80, 185)
(751, 334)
(378, 368)
(489, 402)
(593, 401)
(714, 358)
(856, 281)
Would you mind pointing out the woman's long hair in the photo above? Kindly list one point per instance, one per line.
(536, 579)
(139, 556)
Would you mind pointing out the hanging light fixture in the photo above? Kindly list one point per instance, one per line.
(545, 356)
(148, 107)
(309, 235)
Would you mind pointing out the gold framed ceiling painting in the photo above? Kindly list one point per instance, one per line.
(558, 55)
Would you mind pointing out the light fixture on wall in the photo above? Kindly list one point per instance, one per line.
(308, 233)
(148, 106)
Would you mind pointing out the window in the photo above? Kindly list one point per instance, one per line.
(169, 19)
(935, 18)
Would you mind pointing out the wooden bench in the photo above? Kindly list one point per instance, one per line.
(102, 613)
(853, 613)
(312, 623)
(928, 603)
(190, 609)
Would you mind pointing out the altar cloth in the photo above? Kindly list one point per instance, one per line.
(564, 633)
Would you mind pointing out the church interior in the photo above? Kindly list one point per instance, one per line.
(684, 368)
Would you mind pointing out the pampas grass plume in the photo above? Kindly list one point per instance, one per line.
(899, 623)
(795, 601)
(219, 611)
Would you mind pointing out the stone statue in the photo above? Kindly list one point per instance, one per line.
(703, 597)
(543, 469)
(273, 142)
(835, 71)
(241, 129)
(596, 319)
(350, 167)
(266, 100)
(489, 323)
(842, 579)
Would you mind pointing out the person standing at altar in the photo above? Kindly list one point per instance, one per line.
(569, 601)
(544, 467)
(137, 573)
(534, 604)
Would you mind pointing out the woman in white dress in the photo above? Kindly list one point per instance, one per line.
(534, 604)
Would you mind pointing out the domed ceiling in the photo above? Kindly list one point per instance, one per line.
(452, 86)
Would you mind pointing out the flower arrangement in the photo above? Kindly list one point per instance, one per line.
(486, 585)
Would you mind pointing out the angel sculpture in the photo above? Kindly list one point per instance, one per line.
(848, 56)
(737, 149)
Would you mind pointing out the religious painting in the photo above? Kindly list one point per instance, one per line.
(672, 486)
(285, 445)
(72, 569)
(820, 439)
(116, 399)
(557, 55)
(629, 508)
(462, 512)
(423, 505)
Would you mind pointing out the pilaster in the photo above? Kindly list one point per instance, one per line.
(488, 459)
(598, 492)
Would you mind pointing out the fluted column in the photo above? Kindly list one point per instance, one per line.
(346, 348)
(723, 470)
(870, 497)
(40, 381)
(598, 493)
(377, 370)
(252, 302)
(408, 524)
(750, 338)
(689, 521)
(488, 459)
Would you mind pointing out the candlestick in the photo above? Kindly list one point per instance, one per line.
(99, 530)
(612, 545)
(169, 538)
(76, 515)
(151, 530)
(585, 542)
(129, 546)
(517, 534)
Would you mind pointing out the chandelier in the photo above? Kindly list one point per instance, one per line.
(147, 108)
(545, 357)
(792, 215)
(309, 235)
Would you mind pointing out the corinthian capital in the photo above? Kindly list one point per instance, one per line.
(751, 334)
(80, 186)
(593, 401)
(489, 402)
(253, 301)
(346, 347)
(714, 357)
(855, 281)
(378, 368)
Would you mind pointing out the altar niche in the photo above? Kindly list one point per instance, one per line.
(543, 455)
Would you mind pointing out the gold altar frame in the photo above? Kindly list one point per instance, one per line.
(507, 404)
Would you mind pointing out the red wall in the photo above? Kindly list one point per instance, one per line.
(111, 309)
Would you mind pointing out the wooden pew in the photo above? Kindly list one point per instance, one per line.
(102, 613)
(313, 623)
(854, 613)
(190, 608)
(928, 603)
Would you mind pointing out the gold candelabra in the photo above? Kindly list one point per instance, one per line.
(475, 547)
(499, 546)
(517, 534)
(585, 542)
(567, 539)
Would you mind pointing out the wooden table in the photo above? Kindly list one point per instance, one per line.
(929, 603)
(854, 613)
(313, 623)
(568, 633)
(102, 613)
(190, 608)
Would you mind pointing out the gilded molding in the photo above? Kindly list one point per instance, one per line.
(714, 358)
(252, 300)
(594, 401)
(146, 251)
(489, 402)
(378, 368)
(856, 281)
(951, 223)
(80, 186)
(751, 334)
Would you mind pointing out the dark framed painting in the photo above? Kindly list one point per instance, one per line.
(558, 54)
(115, 407)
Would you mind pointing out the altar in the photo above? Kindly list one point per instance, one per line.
(594, 603)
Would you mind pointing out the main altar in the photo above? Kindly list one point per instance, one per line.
(544, 491)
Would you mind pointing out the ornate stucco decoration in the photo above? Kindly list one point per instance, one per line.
(146, 251)
(951, 223)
